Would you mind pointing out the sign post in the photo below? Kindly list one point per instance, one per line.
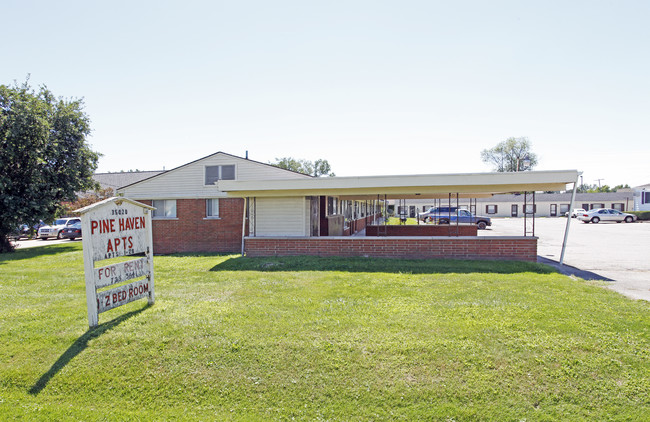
(112, 228)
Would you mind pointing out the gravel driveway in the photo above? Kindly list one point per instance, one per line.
(619, 253)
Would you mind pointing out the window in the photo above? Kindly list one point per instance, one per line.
(596, 206)
(214, 173)
(165, 208)
(514, 210)
(553, 210)
(491, 209)
(212, 208)
(645, 197)
(530, 209)
(585, 207)
(564, 208)
(618, 206)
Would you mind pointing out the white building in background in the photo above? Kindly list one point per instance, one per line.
(546, 204)
(642, 197)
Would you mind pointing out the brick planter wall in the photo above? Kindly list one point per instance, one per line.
(192, 232)
(506, 248)
(360, 224)
(423, 230)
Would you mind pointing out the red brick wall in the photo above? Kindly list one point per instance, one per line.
(192, 232)
(360, 224)
(423, 230)
(510, 248)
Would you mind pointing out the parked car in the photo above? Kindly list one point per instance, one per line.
(54, 229)
(20, 232)
(453, 215)
(433, 213)
(606, 214)
(577, 211)
(72, 232)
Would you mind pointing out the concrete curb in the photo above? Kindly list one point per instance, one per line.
(572, 271)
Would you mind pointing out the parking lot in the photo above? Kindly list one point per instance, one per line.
(618, 253)
(32, 243)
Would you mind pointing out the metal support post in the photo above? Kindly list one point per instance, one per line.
(568, 219)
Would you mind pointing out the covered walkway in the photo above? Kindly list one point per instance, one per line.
(291, 217)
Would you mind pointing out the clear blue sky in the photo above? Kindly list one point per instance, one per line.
(375, 87)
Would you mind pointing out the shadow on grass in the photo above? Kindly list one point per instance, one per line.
(33, 252)
(79, 346)
(410, 266)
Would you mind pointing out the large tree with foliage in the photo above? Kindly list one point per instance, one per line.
(587, 188)
(316, 168)
(510, 155)
(44, 156)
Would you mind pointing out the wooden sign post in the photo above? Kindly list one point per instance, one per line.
(113, 228)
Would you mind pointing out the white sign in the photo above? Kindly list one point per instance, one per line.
(120, 234)
(122, 295)
(121, 271)
(114, 228)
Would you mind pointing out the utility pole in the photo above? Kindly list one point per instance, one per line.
(599, 181)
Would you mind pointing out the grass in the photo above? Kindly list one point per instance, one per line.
(233, 338)
(395, 221)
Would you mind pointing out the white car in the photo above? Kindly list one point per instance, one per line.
(577, 211)
(54, 230)
(606, 214)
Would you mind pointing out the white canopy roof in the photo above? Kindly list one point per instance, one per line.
(407, 186)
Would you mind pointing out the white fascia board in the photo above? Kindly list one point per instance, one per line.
(487, 183)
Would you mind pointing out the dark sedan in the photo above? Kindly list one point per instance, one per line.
(72, 232)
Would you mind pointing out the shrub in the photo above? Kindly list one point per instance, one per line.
(643, 215)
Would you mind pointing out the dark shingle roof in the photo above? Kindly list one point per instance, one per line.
(563, 197)
(117, 180)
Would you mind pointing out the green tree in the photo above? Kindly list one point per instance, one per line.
(510, 155)
(44, 156)
(87, 198)
(587, 188)
(322, 168)
(317, 168)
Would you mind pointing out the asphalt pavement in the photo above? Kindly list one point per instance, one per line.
(616, 253)
(32, 243)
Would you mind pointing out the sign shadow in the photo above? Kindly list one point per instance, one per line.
(79, 346)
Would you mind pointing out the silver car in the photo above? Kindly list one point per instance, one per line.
(54, 230)
(605, 214)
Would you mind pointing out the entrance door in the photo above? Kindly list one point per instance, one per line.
(315, 217)
(514, 210)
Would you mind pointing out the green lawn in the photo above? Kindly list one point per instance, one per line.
(395, 221)
(233, 338)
